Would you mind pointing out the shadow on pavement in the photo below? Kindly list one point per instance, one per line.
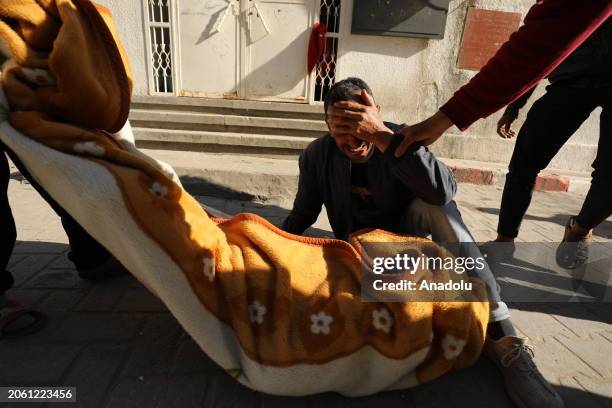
(202, 187)
(234, 202)
(171, 370)
(532, 280)
(604, 229)
(479, 386)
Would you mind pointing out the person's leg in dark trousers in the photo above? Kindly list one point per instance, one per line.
(573, 251)
(598, 202)
(15, 320)
(8, 233)
(86, 253)
(550, 123)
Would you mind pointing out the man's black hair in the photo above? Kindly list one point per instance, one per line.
(345, 90)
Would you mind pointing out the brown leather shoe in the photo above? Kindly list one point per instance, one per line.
(573, 251)
(525, 385)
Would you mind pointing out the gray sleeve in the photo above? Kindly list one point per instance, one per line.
(420, 171)
(308, 200)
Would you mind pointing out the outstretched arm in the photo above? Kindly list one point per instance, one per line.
(553, 29)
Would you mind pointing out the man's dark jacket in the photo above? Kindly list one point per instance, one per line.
(325, 179)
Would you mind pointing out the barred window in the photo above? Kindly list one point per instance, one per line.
(160, 45)
(326, 68)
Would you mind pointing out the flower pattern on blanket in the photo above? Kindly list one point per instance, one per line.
(159, 189)
(321, 323)
(382, 320)
(452, 346)
(257, 312)
(209, 268)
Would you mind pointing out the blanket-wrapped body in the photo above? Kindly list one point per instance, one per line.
(280, 313)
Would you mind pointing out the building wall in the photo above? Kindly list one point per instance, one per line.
(129, 21)
(412, 77)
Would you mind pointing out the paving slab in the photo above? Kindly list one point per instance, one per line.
(601, 390)
(590, 351)
(139, 300)
(556, 361)
(61, 300)
(28, 364)
(189, 359)
(153, 348)
(93, 372)
(94, 327)
(575, 395)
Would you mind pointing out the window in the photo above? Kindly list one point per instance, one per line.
(160, 45)
(325, 70)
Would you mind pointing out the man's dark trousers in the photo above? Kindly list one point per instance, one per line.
(551, 121)
(86, 251)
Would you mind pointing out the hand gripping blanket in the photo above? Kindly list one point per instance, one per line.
(281, 313)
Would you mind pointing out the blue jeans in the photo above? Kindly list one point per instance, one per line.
(445, 226)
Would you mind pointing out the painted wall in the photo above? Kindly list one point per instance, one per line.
(129, 22)
(412, 77)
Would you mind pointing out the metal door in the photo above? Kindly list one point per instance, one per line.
(250, 49)
(209, 41)
(278, 32)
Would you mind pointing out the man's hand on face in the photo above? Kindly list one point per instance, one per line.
(362, 121)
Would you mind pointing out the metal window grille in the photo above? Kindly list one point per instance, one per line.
(160, 46)
(326, 68)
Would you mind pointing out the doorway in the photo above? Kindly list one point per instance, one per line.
(245, 49)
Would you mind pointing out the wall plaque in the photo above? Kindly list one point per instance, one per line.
(400, 18)
(484, 33)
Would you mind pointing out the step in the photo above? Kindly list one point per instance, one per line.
(490, 173)
(171, 136)
(165, 119)
(275, 180)
(229, 106)
(574, 156)
(234, 176)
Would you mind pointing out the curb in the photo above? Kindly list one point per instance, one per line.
(546, 182)
(275, 180)
(474, 176)
(552, 182)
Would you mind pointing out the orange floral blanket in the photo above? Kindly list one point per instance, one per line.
(283, 314)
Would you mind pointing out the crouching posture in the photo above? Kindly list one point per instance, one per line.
(363, 185)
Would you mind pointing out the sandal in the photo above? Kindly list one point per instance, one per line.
(11, 312)
(573, 251)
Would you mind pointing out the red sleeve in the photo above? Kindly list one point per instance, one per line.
(552, 30)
